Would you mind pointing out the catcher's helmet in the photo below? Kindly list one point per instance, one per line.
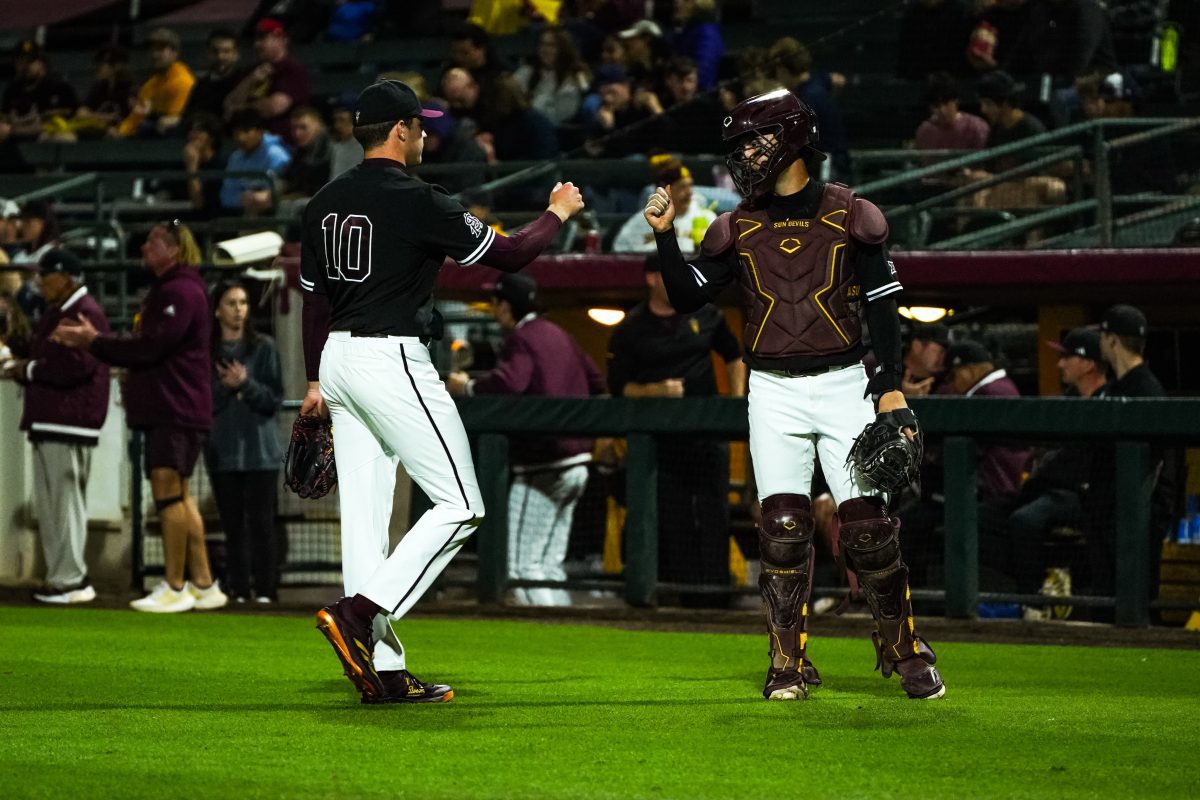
(794, 125)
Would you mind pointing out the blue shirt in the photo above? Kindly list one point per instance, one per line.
(270, 156)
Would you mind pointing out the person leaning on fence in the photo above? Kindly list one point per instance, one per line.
(549, 475)
(1123, 331)
(658, 352)
(244, 451)
(1052, 496)
(972, 373)
(66, 402)
(168, 397)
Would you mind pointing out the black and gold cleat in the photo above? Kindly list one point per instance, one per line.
(785, 684)
(351, 638)
(401, 686)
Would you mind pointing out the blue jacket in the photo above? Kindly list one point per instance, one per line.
(270, 156)
(701, 41)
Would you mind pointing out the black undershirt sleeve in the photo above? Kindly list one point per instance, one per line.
(685, 295)
(884, 322)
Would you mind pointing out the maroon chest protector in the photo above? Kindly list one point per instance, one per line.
(798, 287)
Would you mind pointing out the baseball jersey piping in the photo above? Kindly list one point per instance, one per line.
(425, 408)
(833, 261)
(428, 564)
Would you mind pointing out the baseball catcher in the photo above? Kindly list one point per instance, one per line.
(308, 467)
(810, 260)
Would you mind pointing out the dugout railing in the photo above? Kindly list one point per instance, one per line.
(1132, 426)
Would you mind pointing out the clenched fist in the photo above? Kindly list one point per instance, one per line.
(660, 211)
(565, 200)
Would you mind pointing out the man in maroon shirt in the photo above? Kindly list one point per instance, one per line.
(168, 395)
(549, 475)
(276, 86)
(66, 401)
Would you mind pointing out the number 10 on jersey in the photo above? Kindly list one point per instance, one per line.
(347, 247)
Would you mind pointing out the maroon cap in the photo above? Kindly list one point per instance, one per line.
(269, 25)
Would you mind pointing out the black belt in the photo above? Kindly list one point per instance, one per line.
(804, 373)
(355, 335)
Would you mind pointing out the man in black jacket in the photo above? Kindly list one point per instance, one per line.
(1052, 496)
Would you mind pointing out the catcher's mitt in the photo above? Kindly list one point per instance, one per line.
(884, 457)
(308, 466)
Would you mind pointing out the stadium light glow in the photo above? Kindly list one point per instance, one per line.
(606, 316)
(924, 313)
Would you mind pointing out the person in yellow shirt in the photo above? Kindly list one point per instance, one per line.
(163, 97)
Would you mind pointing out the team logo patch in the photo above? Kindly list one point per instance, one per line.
(892, 267)
(473, 223)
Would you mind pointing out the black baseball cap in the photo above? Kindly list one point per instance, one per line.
(59, 260)
(389, 101)
(999, 87)
(1124, 321)
(966, 353)
(1082, 342)
(932, 332)
(518, 290)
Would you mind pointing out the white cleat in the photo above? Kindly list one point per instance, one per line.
(790, 693)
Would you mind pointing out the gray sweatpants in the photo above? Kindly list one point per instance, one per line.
(60, 474)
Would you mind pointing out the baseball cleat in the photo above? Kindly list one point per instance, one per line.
(809, 671)
(785, 685)
(355, 646)
(401, 686)
(920, 679)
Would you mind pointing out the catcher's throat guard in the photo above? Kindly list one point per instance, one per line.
(308, 466)
(884, 457)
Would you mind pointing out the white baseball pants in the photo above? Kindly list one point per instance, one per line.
(388, 405)
(541, 508)
(793, 418)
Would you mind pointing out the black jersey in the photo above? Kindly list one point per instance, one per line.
(647, 348)
(373, 241)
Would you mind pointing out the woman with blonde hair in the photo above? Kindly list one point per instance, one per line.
(168, 396)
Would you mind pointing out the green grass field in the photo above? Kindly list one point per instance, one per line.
(98, 703)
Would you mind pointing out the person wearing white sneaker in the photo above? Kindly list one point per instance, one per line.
(166, 395)
(66, 402)
(80, 593)
(210, 598)
(165, 600)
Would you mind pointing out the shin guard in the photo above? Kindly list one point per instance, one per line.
(870, 541)
(786, 552)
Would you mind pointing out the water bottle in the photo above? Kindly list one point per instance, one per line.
(591, 236)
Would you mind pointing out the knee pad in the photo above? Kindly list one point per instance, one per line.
(870, 539)
(786, 531)
(167, 502)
